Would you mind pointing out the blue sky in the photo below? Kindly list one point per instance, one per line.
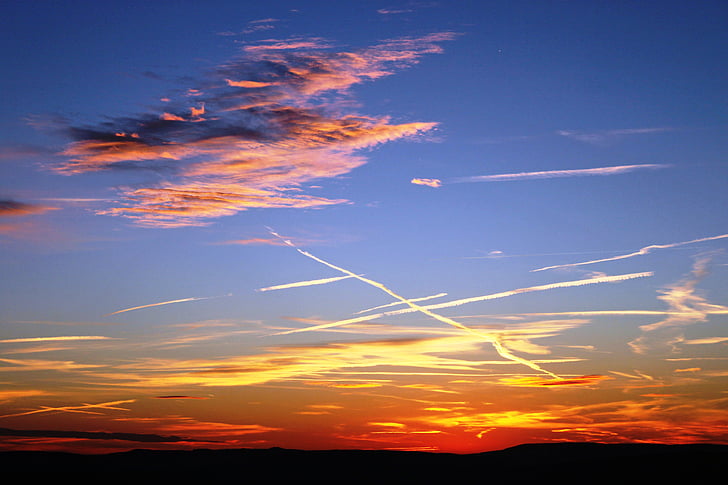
(149, 151)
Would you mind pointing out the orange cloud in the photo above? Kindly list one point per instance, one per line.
(265, 133)
(535, 381)
(429, 182)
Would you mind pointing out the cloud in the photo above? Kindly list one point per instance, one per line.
(686, 307)
(12, 208)
(179, 397)
(639, 252)
(605, 135)
(428, 182)
(6, 395)
(534, 381)
(91, 435)
(261, 126)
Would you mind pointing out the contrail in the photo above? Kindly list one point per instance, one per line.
(493, 339)
(493, 296)
(305, 283)
(557, 173)
(46, 339)
(424, 298)
(76, 409)
(639, 252)
(165, 303)
(550, 286)
(547, 174)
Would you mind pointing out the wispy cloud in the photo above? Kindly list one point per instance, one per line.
(11, 208)
(686, 307)
(256, 129)
(605, 135)
(640, 252)
(548, 174)
(91, 435)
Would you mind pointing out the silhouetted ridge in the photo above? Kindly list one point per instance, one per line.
(545, 463)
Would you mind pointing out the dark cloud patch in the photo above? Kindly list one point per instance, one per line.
(91, 435)
(10, 208)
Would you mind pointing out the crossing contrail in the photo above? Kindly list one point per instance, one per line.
(77, 409)
(492, 296)
(424, 298)
(491, 338)
(305, 283)
(639, 252)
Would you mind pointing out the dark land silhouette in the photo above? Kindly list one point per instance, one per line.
(529, 463)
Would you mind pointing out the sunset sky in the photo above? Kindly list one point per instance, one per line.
(418, 225)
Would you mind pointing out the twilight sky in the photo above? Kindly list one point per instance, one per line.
(440, 226)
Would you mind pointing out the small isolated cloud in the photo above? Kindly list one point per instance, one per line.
(394, 11)
(180, 397)
(429, 182)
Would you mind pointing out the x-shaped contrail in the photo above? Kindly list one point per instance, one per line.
(76, 409)
(489, 337)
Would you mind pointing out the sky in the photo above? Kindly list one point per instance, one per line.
(408, 225)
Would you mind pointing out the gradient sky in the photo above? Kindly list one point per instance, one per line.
(440, 226)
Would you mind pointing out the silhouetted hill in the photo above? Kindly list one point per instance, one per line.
(530, 463)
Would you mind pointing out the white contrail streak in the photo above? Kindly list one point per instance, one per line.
(305, 283)
(424, 298)
(549, 286)
(639, 252)
(493, 339)
(557, 173)
(493, 296)
(164, 303)
(47, 339)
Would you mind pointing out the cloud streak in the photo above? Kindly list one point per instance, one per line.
(260, 127)
(53, 339)
(300, 284)
(182, 300)
(547, 174)
(640, 252)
